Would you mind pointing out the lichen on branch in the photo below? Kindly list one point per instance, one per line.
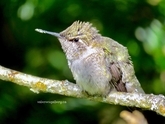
(36, 84)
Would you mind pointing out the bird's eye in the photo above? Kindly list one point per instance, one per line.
(74, 40)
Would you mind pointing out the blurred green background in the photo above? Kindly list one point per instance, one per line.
(137, 24)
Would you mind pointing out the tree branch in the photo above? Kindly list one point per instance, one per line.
(145, 101)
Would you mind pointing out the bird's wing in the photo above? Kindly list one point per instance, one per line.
(121, 67)
(116, 80)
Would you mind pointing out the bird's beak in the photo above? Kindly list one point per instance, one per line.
(48, 32)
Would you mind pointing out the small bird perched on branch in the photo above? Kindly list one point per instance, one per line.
(99, 64)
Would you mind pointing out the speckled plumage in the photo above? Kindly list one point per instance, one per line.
(98, 64)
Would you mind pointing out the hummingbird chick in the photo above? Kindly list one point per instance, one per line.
(99, 64)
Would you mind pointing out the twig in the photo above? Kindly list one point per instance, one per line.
(145, 101)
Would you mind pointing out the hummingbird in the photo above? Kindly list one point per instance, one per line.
(99, 64)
